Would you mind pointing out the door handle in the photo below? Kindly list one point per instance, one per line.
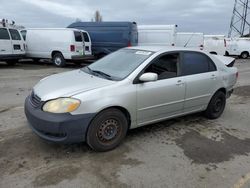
(3, 50)
(213, 76)
(179, 83)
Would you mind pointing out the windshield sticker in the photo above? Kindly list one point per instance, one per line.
(142, 53)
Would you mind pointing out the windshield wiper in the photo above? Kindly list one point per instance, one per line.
(102, 74)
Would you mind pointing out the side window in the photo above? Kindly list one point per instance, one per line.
(23, 33)
(4, 35)
(15, 34)
(165, 66)
(78, 36)
(196, 63)
(85, 36)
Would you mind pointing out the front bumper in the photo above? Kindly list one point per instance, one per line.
(61, 128)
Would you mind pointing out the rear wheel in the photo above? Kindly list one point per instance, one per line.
(58, 60)
(107, 130)
(216, 105)
(244, 55)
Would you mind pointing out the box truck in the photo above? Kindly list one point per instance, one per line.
(190, 40)
(157, 35)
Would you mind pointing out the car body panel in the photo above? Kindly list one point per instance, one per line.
(68, 84)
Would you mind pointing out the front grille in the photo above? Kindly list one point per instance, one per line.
(35, 100)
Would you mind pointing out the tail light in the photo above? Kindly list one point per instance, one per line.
(129, 44)
(72, 48)
(225, 43)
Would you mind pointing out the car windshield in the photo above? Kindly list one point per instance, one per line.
(119, 64)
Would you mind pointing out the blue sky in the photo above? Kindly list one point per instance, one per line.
(208, 16)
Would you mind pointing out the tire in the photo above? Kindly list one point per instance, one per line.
(226, 54)
(107, 130)
(216, 105)
(11, 62)
(58, 60)
(244, 55)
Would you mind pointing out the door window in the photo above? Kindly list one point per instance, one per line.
(196, 63)
(4, 35)
(85, 36)
(165, 66)
(15, 34)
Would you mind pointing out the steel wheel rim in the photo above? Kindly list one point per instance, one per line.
(108, 130)
(218, 105)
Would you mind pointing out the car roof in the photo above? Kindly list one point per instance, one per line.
(163, 48)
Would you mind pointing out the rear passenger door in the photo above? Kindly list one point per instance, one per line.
(200, 75)
(17, 42)
(87, 43)
(5, 42)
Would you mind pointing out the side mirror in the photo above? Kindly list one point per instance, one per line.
(148, 77)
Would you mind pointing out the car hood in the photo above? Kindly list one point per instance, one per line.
(68, 84)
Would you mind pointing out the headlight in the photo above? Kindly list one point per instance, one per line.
(61, 105)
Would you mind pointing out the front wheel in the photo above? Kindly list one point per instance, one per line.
(216, 105)
(58, 60)
(107, 130)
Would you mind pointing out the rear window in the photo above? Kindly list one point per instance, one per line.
(4, 35)
(78, 36)
(85, 36)
(15, 34)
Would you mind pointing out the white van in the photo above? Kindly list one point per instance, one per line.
(12, 45)
(239, 47)
(58, 44)
(156, 35)
(215, 44)
(191, 40)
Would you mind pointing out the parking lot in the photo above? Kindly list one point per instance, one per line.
(185, 152)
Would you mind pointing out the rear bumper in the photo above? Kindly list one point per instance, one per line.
(80, 57)
(60, 128)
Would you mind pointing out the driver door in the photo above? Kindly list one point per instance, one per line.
(163, 98)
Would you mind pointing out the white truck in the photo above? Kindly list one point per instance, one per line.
(157, 35)
(238, 47)
(58, 44)
(190, 40)
(12, 45)
(215, 44)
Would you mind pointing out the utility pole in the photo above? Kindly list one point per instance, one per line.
(240, 25)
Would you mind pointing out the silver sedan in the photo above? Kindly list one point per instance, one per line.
(129, 88)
